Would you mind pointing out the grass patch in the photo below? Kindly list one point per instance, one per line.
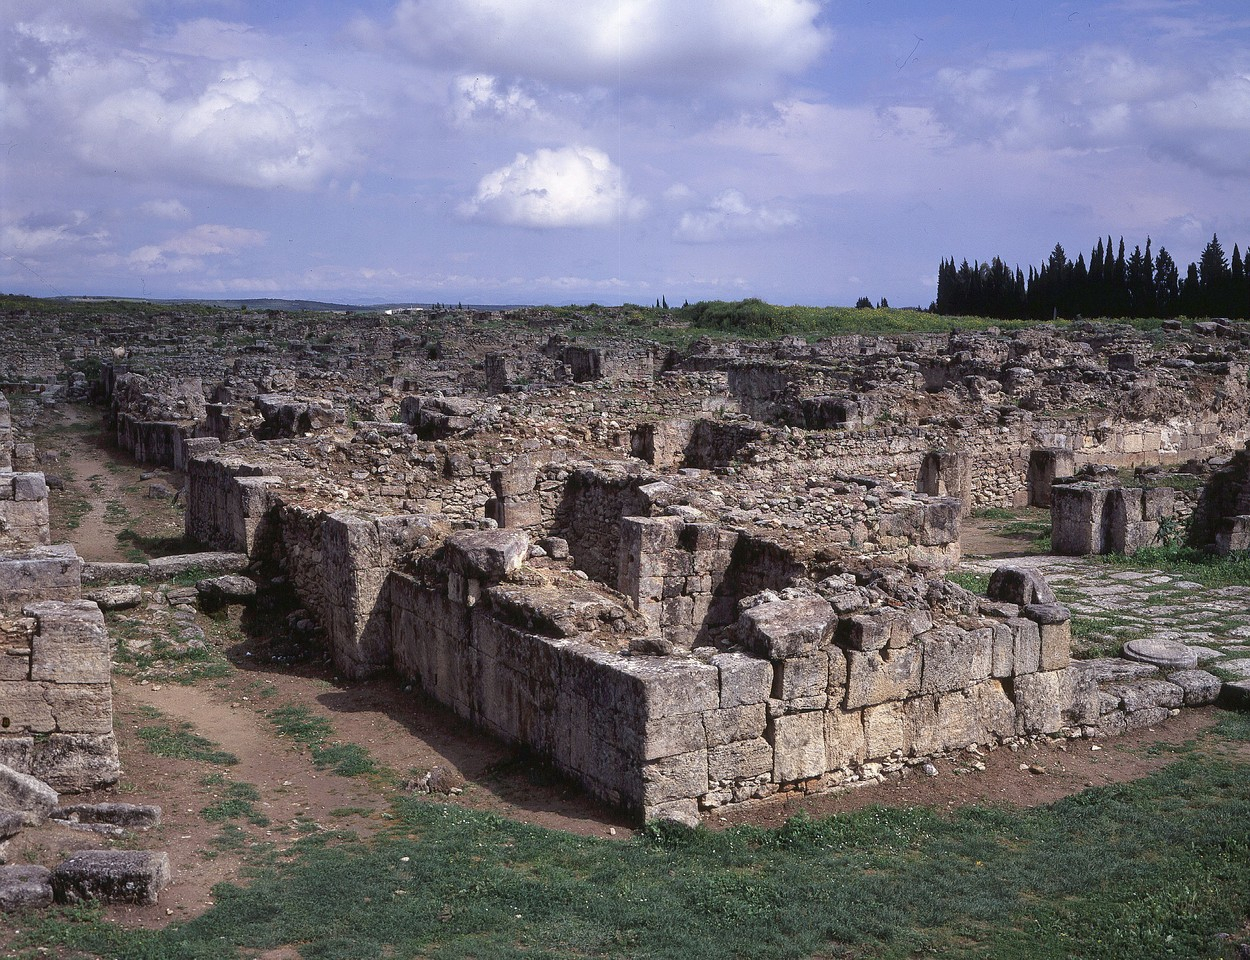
(238, 802)
(1153, 868)
(180, 742)
(163, 660)
(976, 583)
(1188, 563)
(312, 731)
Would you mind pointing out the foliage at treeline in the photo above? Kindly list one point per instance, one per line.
(756, 318)
(1139, 285)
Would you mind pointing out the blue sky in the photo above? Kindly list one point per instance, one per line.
(541, 151)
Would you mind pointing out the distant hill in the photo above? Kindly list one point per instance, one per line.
(275, 303)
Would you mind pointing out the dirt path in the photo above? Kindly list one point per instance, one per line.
(104, 493)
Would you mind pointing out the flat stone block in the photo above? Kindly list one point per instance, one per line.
(744, 679)
(787, 628)
(25, 887)
(112, 876)
(1200, 687)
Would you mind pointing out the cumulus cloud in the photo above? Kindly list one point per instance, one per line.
(736, 47)
(566, 187)
(188, 250)
(191, 108)
(729, 216)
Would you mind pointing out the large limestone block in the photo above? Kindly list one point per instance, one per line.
(731, 724)
(487, 555)
(947, 656)
(798, 746)
(787, 628)
(111, 876)
(670, 736)
(40, 573)
(1019, 585)
(881, 676)
(803, 682)
(744, 679)
(76, 762)
(163, 568)
(994, 709)
(641, 688)
(81, 707)
(24, 707)
(70, 644)
(1076, 519)
(1026, 646)
(25, 887)
(1039, 699)
(1199, 686)
(675, 778)
(844, 738)
(740, 760)
(28, 796)
(885, 730)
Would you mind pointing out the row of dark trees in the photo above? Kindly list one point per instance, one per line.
(1109, 285)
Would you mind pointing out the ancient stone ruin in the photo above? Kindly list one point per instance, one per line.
(686, 578)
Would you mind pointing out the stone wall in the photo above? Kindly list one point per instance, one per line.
(1091, 518)
(23, 510)
(56, 703)
(6, 434)
(229, 503)
(821, 691)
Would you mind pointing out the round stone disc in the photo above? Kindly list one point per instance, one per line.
(1167, 654)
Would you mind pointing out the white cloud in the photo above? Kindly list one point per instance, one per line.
(1099, 98)
(51, 234)
(736, 47)
(187, 251)
(189, 105)
(566, 187)
(485, 98)
(166, 209)
(729, 216)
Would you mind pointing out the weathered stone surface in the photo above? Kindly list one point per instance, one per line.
(1039, 701)
(675, 778)
(488, 555)
(70, 643)
(730, 724)
(1167, 654)
(111, 876)
(880, 676)
(844, 738)
(798, 746)
(1141, 694)
(163, 568)
(744, 679)
(25, 887)
(28, 796)
(1199, 686)
(787, 628)
(740, 760)
(228, 589)
(1019, 585)
(130, 815)
(123, 596)
(1104, 669)
(76, 762)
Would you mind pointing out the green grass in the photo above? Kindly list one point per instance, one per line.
(1153, 868)
(306, 728)
(179, 741)
(237, 802)
(1188, 563)
(976, 583)
(1031, 525)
